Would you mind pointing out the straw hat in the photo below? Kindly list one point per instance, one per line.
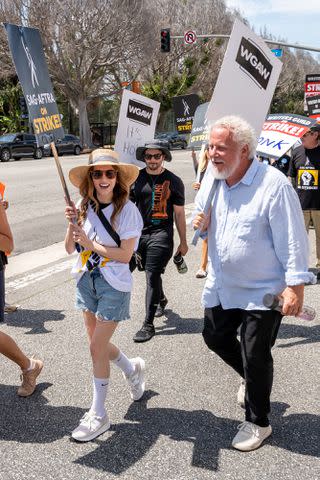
(102, 157)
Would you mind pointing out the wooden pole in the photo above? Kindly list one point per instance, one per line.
(60, 172)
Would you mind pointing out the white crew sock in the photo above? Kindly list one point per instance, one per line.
(100, 390)
(124, 363)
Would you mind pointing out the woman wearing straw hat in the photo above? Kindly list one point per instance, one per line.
(102, 272)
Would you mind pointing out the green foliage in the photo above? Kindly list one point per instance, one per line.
(162, 87)
(10, 120)
(291, 102)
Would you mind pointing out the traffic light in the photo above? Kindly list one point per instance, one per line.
(23, 105)
(165, 40)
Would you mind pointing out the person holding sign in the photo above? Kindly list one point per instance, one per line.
(30, 367)
(202, 167)
(159, 196)
(257, 244)
(102, 272)
(304, 173)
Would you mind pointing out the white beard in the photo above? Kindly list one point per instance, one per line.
(226, 172)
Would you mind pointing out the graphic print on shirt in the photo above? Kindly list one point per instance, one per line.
(308, 179)
(91, 259)
(160, 195)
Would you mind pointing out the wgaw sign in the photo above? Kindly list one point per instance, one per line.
(139, 112)
(247, 79)
(254, 62)
(136, 126)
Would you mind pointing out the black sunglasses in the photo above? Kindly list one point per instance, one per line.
(156, 156)
(96, 174)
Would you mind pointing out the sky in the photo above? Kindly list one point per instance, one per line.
(294, 21)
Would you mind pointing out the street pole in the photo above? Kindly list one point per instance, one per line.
(272, 42)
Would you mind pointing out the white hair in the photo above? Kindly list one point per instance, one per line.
(241, 131)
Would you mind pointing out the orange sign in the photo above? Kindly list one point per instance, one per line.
(2, 189)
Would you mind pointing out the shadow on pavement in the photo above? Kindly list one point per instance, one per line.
(32, 419)
(33, 319)
(305, 334)
(297, 433)
(132, 441)
(172, 324)
(207, 433)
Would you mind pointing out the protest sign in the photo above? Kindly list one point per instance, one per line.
(200, 128)
(184, 107)
(311, 90)
(247, 79)
(245, 85)
(2, 189)
(137, 123)
(313, 105)
(280, 132)
(27, 53)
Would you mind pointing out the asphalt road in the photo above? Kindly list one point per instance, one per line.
(37, 202)
(183, 426)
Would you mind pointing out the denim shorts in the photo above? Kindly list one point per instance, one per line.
(95, 294)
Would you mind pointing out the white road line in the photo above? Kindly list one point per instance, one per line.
(30, 278)
(21, 265)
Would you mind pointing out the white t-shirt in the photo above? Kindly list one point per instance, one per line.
(129, 224)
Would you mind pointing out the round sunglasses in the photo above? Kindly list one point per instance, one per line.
(96, 174)
(156, 156)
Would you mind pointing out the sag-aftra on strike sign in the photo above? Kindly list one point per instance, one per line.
(27, 53)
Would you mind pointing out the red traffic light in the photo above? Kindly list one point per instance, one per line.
(165, 40)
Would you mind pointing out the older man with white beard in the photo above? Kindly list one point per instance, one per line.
(257, 244)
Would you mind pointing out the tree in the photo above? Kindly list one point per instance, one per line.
(186, 68)
(83, 41)
(10, 119)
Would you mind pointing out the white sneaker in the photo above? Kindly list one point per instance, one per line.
(250, 436)
(136, 380)
(241, 393)
(90, 427)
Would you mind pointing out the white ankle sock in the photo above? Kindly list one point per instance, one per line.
(124, 363)
(100, 390)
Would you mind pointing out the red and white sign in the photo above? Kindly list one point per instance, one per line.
(280, 132)
(190, 37)
(311, 89)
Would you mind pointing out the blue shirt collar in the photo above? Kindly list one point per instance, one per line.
(248, 177)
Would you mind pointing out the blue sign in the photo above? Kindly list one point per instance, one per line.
(277, 51)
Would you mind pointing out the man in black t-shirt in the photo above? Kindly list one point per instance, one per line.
(159, 196)
(304, 172)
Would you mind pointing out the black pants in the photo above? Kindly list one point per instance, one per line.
(251, 357)
(156, 249)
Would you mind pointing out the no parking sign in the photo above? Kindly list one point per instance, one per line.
(190, 37)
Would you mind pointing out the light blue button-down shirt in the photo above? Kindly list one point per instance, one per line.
(257, 241)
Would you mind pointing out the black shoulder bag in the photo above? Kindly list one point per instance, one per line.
(135, 259)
